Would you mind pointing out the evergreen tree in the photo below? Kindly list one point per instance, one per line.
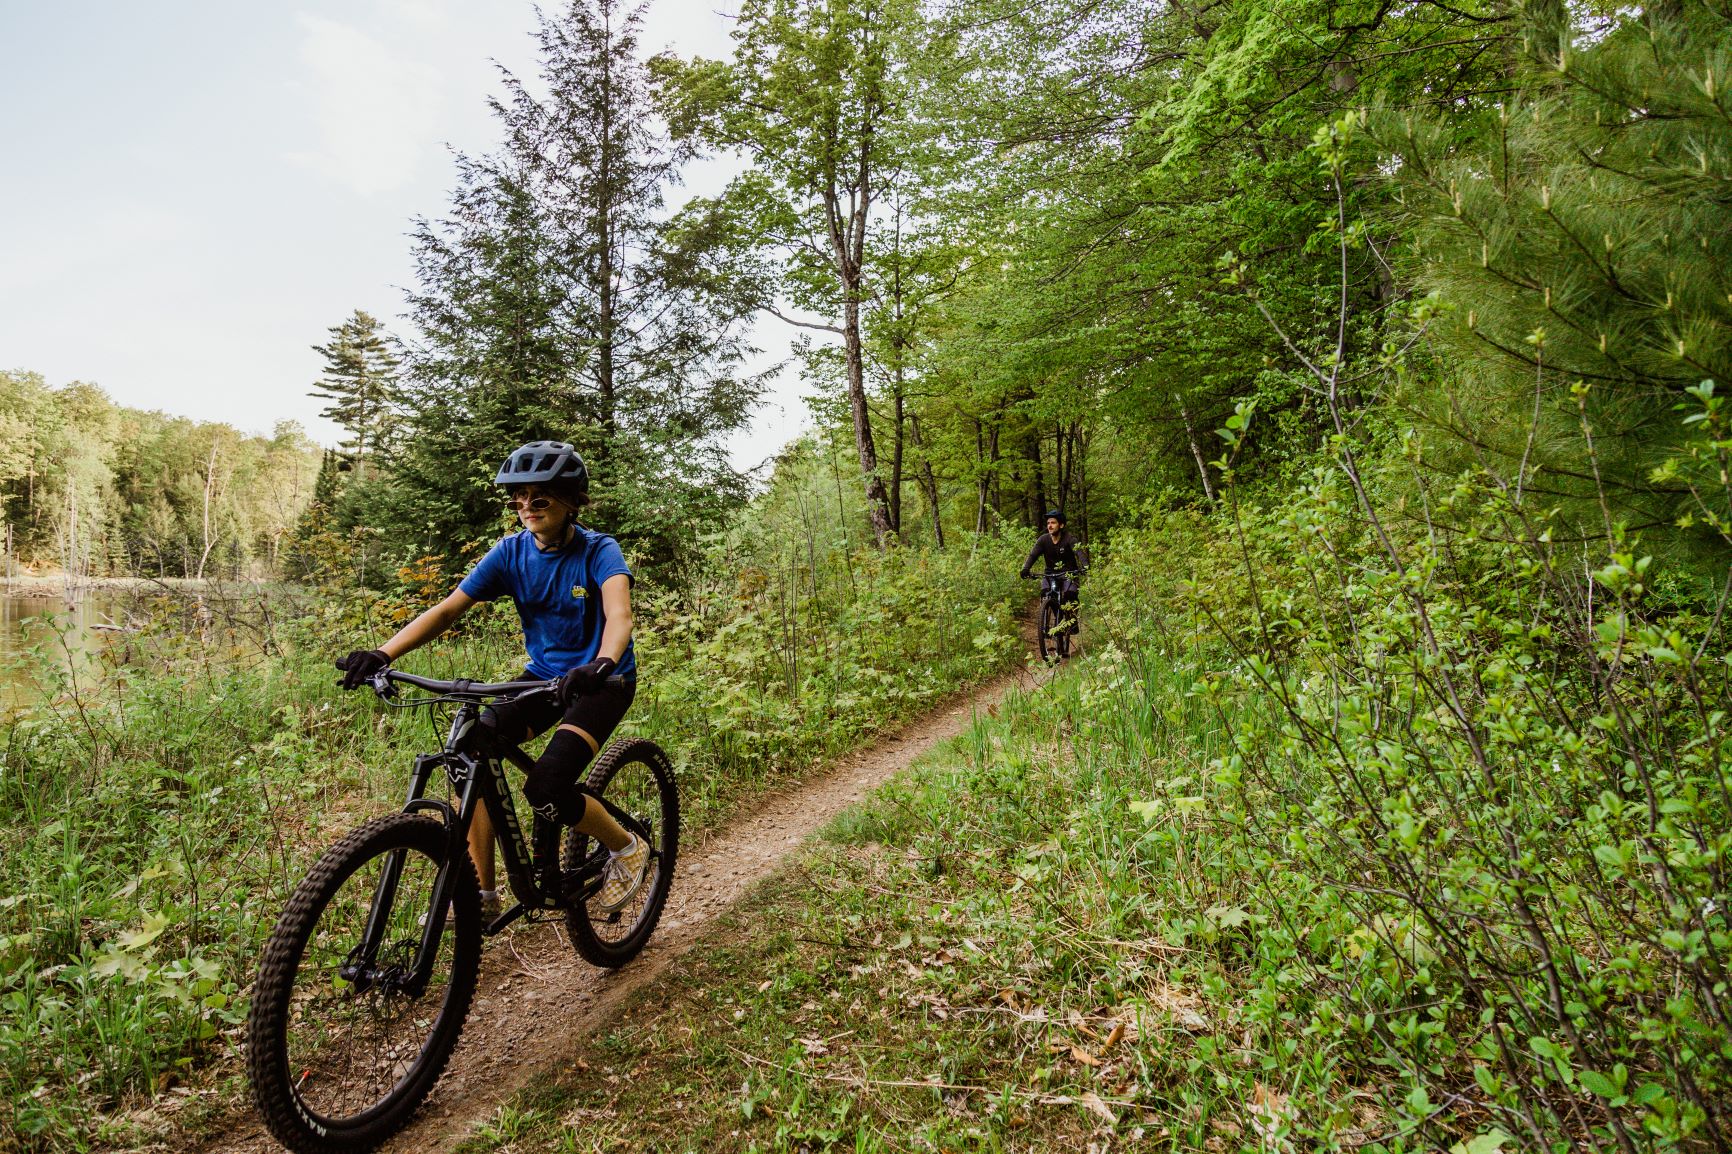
(556, 301)
(360, 381)
(1581, 235)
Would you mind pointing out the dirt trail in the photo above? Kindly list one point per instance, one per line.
(538, 1002)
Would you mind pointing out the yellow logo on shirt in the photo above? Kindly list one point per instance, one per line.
(579, 591)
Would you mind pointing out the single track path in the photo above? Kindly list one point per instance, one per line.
(538, 1003)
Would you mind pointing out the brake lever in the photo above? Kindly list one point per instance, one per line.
(382, 686)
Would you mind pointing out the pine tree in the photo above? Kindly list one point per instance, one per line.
(1581, 238)
(556, 301)
(360, 381)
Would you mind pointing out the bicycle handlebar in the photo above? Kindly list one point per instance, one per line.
(461, 687)
(385, 678)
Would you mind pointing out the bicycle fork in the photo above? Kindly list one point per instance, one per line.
(362, 966)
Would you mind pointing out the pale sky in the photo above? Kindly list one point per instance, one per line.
(192, 192)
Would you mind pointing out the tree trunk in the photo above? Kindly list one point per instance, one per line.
(896, 448)
(848, 250)
(209, 485)
(1037, 493)
(1197, 451)
(994, 473)
(1082, 483)
(928, 483)
(981, 478)
(604, 365)
(1064, 455)
(877, 498)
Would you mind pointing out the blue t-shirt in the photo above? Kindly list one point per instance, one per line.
(558, 596)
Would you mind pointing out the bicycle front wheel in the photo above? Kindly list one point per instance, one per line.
(1048, 623)
(347, 1033)
(637, 780)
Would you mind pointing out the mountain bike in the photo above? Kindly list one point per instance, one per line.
(1058, 618)
(367, 978)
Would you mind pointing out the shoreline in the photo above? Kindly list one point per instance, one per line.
(55, 584)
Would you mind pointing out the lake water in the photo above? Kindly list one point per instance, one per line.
(45, 623)
(39, 632)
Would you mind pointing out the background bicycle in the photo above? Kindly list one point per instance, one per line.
(1058, 613)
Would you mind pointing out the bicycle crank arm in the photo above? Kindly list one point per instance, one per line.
(517, 910)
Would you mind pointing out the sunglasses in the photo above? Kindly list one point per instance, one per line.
(532, 504)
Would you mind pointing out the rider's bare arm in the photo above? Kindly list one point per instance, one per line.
(436, 621)
(616, 611)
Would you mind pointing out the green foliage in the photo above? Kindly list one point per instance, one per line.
(555, 301)
(159, 809)
(360, 381)
(816, 98)
(1515, 782)
(91, 488)
(1579, 234)
(1313, 850)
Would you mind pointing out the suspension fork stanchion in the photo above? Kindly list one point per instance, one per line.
(434, 927)
(385, 892)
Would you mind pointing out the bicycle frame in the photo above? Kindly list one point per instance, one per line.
(1052, 584)
(474, 780)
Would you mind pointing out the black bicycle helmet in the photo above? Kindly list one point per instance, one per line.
(553, 464)
(1054, 515)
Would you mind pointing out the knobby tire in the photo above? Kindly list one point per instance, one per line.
(313, 1094)
(635, 776)
(1048, 622)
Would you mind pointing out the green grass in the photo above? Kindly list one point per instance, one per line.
(1241, 879)
(1033, 941)
(157, 816)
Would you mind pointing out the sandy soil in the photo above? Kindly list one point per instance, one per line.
(538, 1002)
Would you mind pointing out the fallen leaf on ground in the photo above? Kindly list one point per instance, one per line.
(1081, 1055)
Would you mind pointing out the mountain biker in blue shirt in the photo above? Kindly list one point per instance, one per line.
(572, 590)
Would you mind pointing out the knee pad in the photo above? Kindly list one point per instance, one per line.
(551, 787)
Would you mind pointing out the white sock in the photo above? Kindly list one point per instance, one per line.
(489, 895)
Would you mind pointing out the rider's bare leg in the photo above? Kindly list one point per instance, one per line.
(481, 845)
(597, 822)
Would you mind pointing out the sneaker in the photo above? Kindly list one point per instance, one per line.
(626, 870)
(491, 907)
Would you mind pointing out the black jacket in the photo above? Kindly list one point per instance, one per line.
(1064, 555)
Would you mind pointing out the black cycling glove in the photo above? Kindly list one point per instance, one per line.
(586, 678)
(360, 666)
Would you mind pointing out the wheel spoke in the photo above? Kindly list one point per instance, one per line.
(636, 780)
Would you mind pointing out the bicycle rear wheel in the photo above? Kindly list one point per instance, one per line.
(1048, 623)
(637, 781)
(342, 1047)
